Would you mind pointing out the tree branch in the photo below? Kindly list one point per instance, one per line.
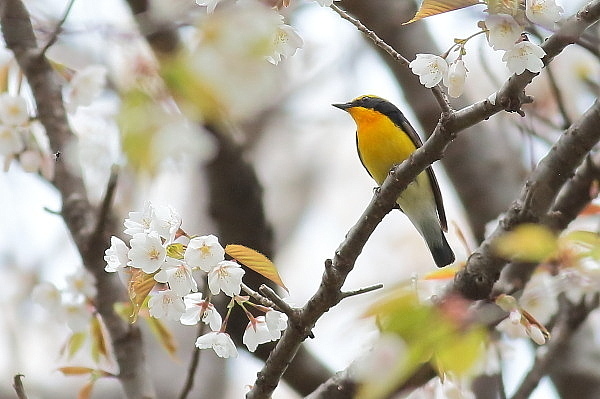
(77, 212)
(468, 282)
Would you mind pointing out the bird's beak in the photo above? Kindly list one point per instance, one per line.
(343, 106)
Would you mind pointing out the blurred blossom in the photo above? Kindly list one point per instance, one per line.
(181, 138)
(11, 141)
(77, 316)
(386, 353)
(210, 4)
(276, 323)
(81, 283)
(48, 296)
(503, 31)
(543, 12)
(540, 297)
(13, 110)
(232, 45)
(85, 86)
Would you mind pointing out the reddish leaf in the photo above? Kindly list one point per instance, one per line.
(140, 285)
(255, 261)
(434, 7)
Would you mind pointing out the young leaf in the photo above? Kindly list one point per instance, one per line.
(176, 250)
(99, 347)
(74, 344)
(163, 335)
(140, 285)
(435, 7)
(76, 370)
(86, 391)
(527, 243)
(255, 261)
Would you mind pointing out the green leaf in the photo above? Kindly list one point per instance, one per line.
(176, 250)
(163, 335)
(255, 261)
(74, 344)
(442, 334)
(527, 243)
(434, 7)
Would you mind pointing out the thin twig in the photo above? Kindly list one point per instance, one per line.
(359, 291)
(18, 386)
(560, 102)
(258, 297)
(189, 379)
(379, 42)
(58, 28)
(277, 300)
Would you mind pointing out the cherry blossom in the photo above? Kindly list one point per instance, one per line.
(220, 342)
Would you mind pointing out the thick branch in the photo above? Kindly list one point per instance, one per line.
(475, 281)
(78, 214)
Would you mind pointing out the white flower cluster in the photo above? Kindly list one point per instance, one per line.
(73, 304)
(154, 249)
(503, 33)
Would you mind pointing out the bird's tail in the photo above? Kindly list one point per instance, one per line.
(441, 251)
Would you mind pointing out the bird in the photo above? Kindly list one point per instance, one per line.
(385, 138)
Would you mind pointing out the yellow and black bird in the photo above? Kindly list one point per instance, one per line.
(384, 138)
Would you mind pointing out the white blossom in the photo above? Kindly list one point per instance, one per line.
(204, 252)
(81, 283)
(197, 309)
(210, 5)
(226, 276)
(165, 221)
(77, 316)
(179, 276)
(455, 79)
(286, 42)
(48, 296)
(543, 12)
(11, 141)
(430, 68)
(139, 222)
(86, 85)
(116, 256)
(325, 3)
(276, 323)
(147, 252)
(524, 55)
(13, 110)
(166, 304)
(220, 342)
(256, 333)
(503, 31)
